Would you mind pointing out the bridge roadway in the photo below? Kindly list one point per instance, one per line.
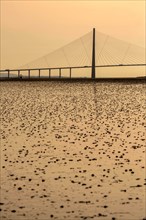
(8, 71)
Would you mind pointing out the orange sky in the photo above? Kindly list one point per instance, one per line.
(31, 29)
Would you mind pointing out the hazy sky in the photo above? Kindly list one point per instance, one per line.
(31, 29)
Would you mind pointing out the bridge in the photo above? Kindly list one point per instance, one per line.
(90, 53)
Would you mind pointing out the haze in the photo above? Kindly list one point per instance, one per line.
(31, 29)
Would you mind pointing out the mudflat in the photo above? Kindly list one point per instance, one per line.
(72, 151)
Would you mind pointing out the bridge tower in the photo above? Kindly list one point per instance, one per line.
(93, 56)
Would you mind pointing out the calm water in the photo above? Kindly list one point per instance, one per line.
(72, 151)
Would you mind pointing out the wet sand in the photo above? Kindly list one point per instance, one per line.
(72, 151)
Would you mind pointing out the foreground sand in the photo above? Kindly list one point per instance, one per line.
(72, 151)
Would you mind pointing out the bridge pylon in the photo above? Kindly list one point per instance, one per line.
(93, 56)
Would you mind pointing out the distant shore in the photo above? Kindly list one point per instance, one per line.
(132, 79)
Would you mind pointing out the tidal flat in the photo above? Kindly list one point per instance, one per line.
(73, 150)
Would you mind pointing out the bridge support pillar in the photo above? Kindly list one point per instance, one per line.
(93, 56)
(8, 73)
(18, 73)
(28, 73)
(60, 73)
(70, 72)
(39, 73)
(49, 73)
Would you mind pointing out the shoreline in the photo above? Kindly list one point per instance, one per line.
(124, 79)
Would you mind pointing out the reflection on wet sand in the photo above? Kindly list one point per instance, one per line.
(72, 151)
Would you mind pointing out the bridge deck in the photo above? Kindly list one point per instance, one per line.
(30, 76)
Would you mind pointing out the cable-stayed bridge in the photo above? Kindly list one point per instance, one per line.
(93, 55)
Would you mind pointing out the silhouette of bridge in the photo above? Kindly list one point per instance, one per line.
(90, 52)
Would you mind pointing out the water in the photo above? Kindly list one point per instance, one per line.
(72, 151)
